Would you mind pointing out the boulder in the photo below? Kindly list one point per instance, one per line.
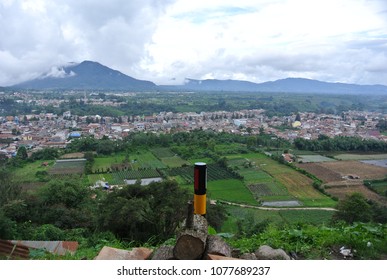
(267, 253)
(248, 256)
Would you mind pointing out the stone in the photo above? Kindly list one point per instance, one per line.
(109, 253)
(265, 252)
(248, 256)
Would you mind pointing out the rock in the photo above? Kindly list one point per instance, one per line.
(235, 252)
(217, 246)
(267, 253)
(163, 253)
(248, 256)
(217, 257)
(109, 253)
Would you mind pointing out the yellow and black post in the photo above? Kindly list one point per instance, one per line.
(200, 186)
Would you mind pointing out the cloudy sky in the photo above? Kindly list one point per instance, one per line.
(169, 40)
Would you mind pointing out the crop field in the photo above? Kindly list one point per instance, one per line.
(162, 152)
(68, 167)
(361, 156)
(313, 158)
(103, 163)
(298, 185)
(145, 160)
(325, 174)
(174, 161)
(268, 189)
(232, 190)
(214, 172)
(72, 155)
(364, 171)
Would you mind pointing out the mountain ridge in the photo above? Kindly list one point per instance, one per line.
(90, 75)
(87, 75)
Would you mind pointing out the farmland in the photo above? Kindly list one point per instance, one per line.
(313, 158)
(360, 156)
(230, 190)
(335, 171)
(282, 180)
(68, 166)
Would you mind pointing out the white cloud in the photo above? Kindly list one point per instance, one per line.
(167, 41)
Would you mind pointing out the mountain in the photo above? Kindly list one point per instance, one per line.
(296, 85)
(87, 75)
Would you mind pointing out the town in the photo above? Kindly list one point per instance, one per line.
(38, 131)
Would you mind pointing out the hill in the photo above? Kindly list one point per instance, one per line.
(296, 85)
(87, 75)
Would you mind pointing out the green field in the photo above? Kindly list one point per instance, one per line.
(272, 180)
(380, 188)
(250, 215)
(145, 159)
(103, 163)
(27, 172)
(162, 152)
(360, 156)
(174, 161)
(306, 216)
(230, 190)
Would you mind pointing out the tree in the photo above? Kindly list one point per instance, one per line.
(22, 153)
(140, 212)
(353, 208)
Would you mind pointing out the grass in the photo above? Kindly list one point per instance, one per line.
(306, 216)
(235, 214)
(257, 216)
(27, 172)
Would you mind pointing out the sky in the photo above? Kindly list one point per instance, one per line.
(170, 40)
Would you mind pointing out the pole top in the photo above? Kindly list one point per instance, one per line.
(200, 163)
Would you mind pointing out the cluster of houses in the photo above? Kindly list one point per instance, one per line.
(37, 131)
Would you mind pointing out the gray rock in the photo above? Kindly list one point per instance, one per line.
(267, 253)
(248, 256)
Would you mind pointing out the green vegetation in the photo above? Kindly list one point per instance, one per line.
(317, 242)
(230, 190)
(62, 206)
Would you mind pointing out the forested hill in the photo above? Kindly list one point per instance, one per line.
(296, 85)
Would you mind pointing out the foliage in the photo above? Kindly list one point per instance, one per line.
(140, 212)
(317, 242)
(353, 209)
